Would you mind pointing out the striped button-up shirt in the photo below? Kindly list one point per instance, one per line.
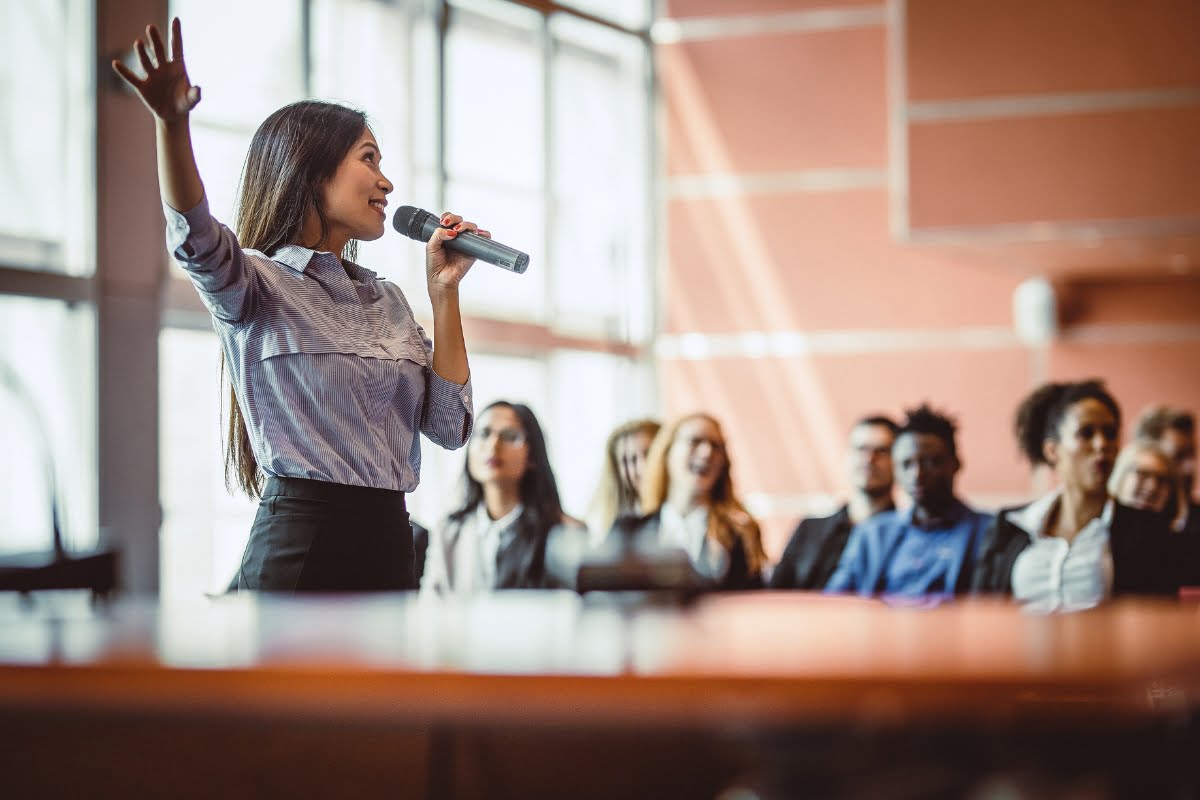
(333, 374)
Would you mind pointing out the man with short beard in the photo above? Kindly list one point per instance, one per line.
(813, 552)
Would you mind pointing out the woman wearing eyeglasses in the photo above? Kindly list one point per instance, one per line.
(510, 531)
(1145, 477)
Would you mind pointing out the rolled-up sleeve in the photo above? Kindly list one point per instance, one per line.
(449, 414)
(210, 254)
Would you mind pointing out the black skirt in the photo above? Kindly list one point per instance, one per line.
(313, 536)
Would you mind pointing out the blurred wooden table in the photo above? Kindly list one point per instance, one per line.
(556, 662)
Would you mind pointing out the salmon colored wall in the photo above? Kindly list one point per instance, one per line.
(795, 300)
(1114, 165)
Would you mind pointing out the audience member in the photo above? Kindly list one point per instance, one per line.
(812, 554)
(689, 503)
(1073, 547)
(624, 457)
(930, 547)
(1175, 432)
(510, 531)
(1144, 478)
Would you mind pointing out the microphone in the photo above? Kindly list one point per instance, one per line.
(416, 223)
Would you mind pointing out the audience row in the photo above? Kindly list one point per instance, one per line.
(1115, 523)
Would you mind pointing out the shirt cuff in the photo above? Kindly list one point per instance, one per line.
(447, 393)
(191, 233)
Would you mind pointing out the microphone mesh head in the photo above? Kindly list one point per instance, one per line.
(410, 221)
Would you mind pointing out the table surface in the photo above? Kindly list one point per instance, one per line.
(553, 657)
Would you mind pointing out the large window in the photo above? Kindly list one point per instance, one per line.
(45, 160)
(47, 424)
(47, 330)
(536, 126)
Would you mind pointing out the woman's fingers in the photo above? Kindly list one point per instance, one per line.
(156, 41)
(176, 40)
(127, 74)
(140, 48)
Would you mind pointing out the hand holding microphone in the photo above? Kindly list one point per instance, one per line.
(419, 224)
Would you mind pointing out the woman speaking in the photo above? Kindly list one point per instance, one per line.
(332, 378)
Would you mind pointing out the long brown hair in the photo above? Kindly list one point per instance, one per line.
(614, 496)
(728, 518)
(293, 154)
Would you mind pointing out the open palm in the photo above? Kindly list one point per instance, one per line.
(165, 90)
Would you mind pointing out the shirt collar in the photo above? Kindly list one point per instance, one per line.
(1032, 518)
(952, 516)
(485, 523)
(300, 258)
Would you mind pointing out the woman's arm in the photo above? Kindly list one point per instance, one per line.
(170, 96)
(209, 252)
(444, 270)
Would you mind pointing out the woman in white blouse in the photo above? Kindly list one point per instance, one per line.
(510, 531)
(1074, 546)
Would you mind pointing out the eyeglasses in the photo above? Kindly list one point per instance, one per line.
(508, 436)
(1151, 477)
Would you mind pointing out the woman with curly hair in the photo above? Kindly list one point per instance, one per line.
(1074, 546)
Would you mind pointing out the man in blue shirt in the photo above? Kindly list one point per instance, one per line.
(930, 547)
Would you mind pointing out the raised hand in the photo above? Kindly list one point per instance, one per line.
(445, 268)
(165, 90)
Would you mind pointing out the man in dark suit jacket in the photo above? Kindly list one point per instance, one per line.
(813, 552)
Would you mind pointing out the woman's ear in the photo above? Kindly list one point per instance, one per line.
(1050, 451)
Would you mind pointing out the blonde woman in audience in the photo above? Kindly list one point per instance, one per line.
(510, 531)
(624, 457)
(1145, 478)
(1074, 546)
(688, 503)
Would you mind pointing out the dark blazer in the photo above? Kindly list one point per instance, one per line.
(1146, 557)
(813, 552)
(641, 533)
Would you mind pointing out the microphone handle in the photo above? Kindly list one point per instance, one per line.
(480, 247)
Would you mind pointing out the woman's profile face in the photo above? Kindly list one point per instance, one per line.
(1086, 447)
(355, 198)
(696, 458)
(498, 452)
(1147, 482)
(630, 453)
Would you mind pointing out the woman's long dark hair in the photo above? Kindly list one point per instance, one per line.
(293, 154)
(524, 566)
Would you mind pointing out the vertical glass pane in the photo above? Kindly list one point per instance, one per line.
(495, 155)
(47, 423)
(598, 238)
(204, 528)
(494, 90)
(618, 389)
(46, 143)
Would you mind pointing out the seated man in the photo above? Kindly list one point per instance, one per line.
(929, 548)
(815, 548)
